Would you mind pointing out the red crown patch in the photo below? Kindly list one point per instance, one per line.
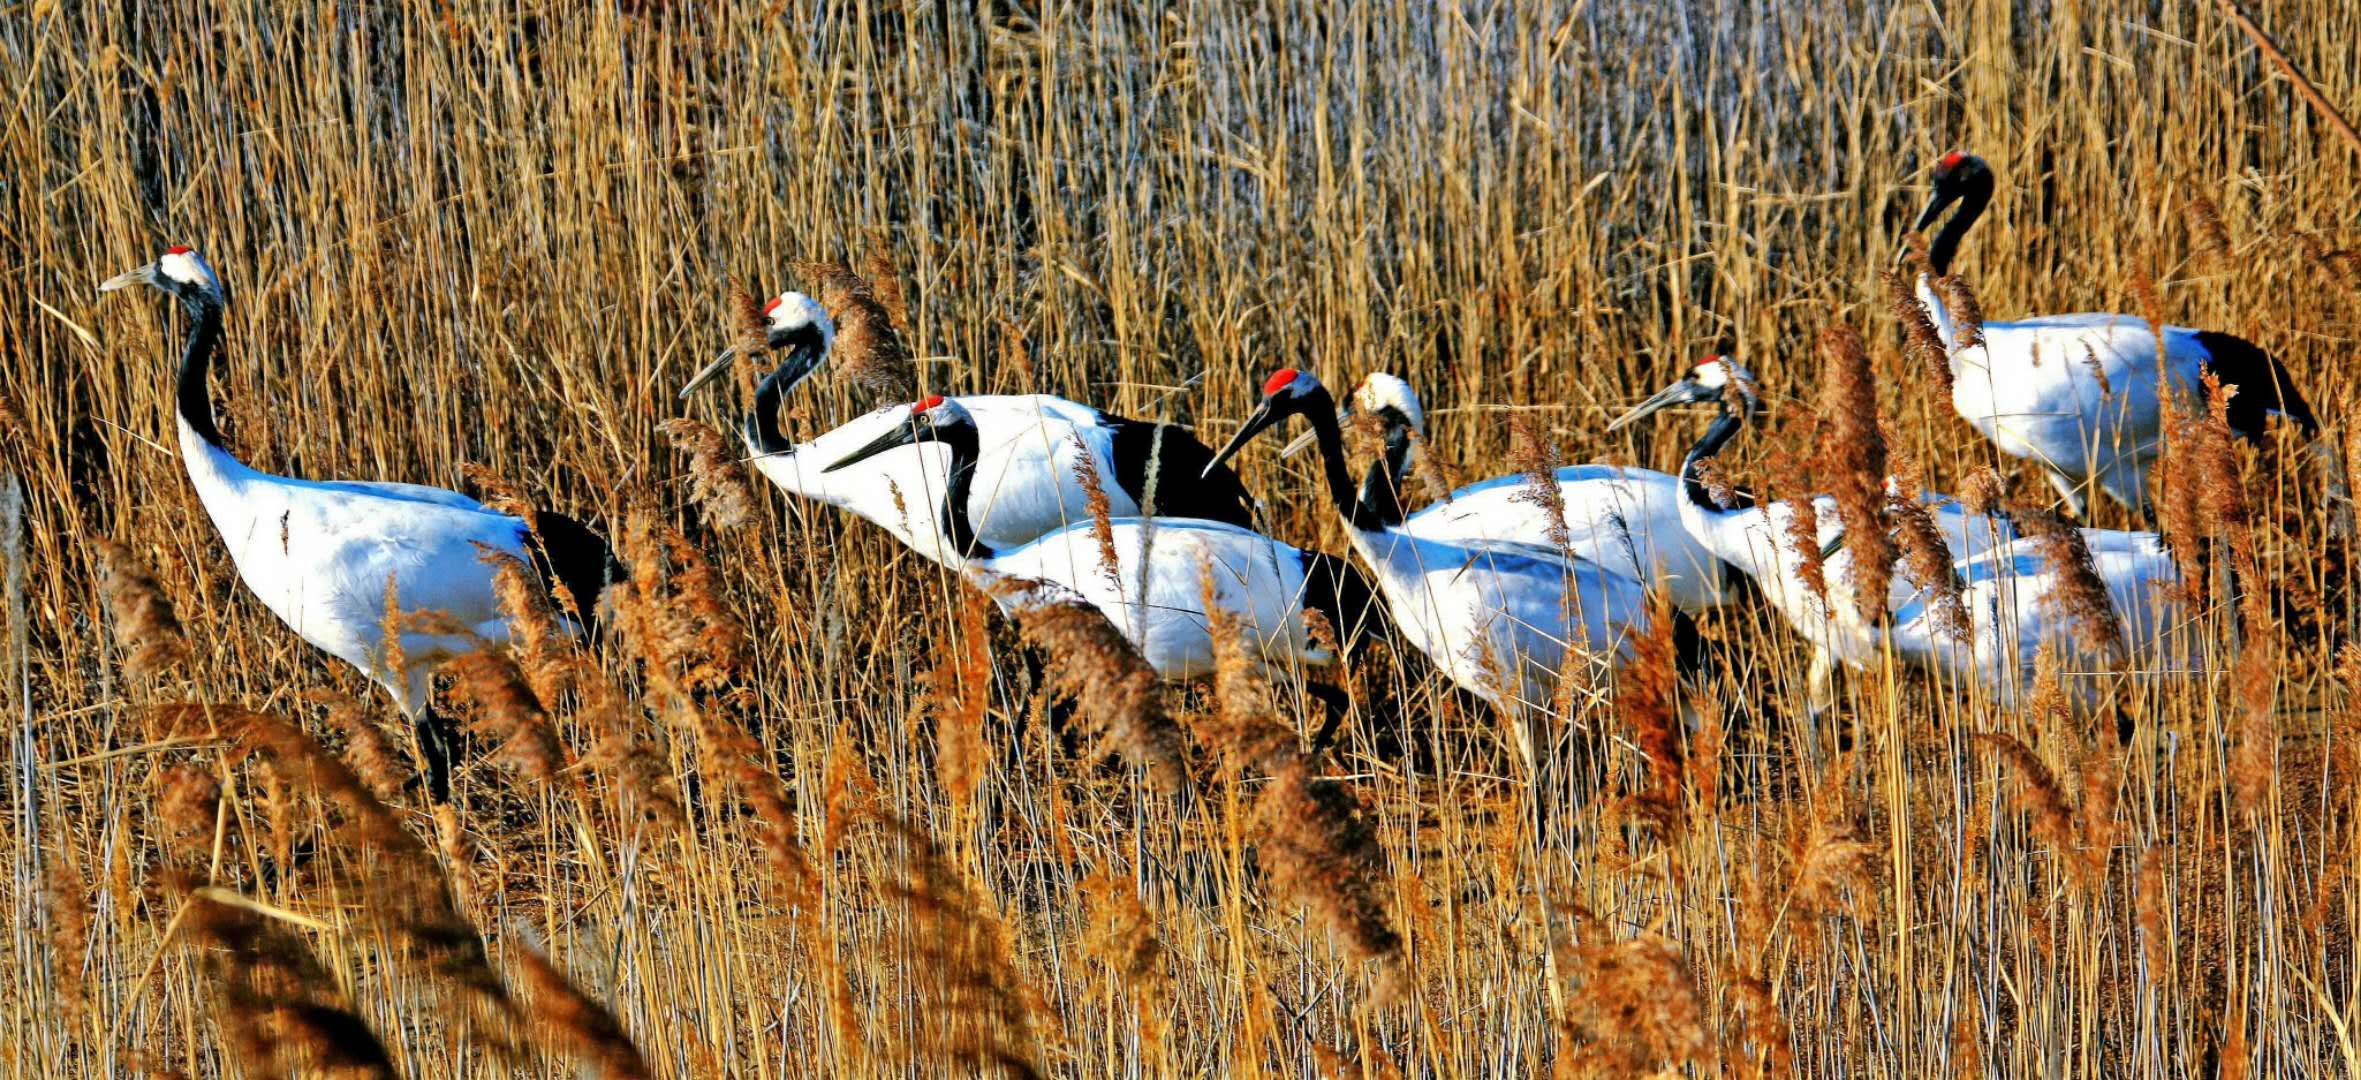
(1279, 379)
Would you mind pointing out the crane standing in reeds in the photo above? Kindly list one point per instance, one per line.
(2103, 599)
(2082, 396)
(1622, 517)
(1144, 574)
(1041, 460)
(1506, 621)
(390, 578)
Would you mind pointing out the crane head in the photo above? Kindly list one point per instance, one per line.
(179, 271)
(1288, 392)
(1385, 396)
(797, 328)
(1956, 174)
(931, 419)
(1715, 378)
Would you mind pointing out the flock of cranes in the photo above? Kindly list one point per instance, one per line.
(1506, 593)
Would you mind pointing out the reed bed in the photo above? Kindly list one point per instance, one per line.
(807, 810)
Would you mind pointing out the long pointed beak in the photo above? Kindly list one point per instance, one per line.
(902, 434)
(710, 371)
(145, 275)
(1683, 392)
(1929, 216)
(1263, 419)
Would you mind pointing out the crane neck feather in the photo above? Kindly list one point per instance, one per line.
(196, 408)
(958, 528)
(1381, 488)
(1972, 201)
(762, 421)
(1358, 513)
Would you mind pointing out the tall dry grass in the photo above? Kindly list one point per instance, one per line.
(726, 841)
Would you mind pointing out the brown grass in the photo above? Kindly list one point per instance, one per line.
(460, 234)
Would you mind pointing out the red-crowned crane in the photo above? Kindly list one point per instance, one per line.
(322, 555)
(1505, 620)
(1153, 592)
(1623, 518)
(2015, 601)
(2078, 395)
(1028, 475)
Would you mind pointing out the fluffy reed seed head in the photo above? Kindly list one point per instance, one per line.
(1102, 513)
(1852, 437)
(1927, 560)
(281, 1013)
(1921, 342)
(1121, 700)
(505, 713)
(867, 347)
(2213, 237)
(1636, 1010)
(144, 622)
(1317, 846)
(569, 1019)
(2041, 796)
(717, 481)
(1533, 453)
(1967, 311)
(2079, 595)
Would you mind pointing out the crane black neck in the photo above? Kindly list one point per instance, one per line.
(1724, 428)
(196, 408)
(1975, 196)
(762, 421)
(1359, 510)
(959, 529)
(1381, 488)
(805, 349)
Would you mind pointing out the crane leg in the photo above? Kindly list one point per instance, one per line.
(1334, 703)
(437, 745)
(1820, 684)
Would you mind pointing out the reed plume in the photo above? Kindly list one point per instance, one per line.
(381, 766)
(542, 649)
(975, 1011)
(504, 713)
(1791, 484)
(280, 1013)
(867, 348)
(958, 689)
(2052, 812)
(1644, 690)
(2213, 238)
(1118, 696)
(1318, 848)
(1102, 515)
(1967, 312)
(1922, 343)
(717, 482)
(144, 622)
(1852, 437)
(1636, 1010)
(567, 1018)
(1927, 561)
(2079, 594)
(1533, 454)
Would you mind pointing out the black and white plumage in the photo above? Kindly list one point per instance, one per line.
(1622, 517)
(1504, 620)
(321, 554)
(1029, 466)
(2078, 395)
(2014, 599)
(1717, 379)
(1153, 594)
